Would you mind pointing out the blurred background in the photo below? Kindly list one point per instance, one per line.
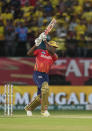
(21, 21)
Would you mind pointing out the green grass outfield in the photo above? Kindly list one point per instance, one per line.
(58, 121)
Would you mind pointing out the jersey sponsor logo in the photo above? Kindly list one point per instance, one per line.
(43, 52)
(47, 57)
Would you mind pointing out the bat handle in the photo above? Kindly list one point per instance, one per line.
(46, 32)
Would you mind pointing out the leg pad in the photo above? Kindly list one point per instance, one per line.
(45, 88)
(36, 102)
(44, 96)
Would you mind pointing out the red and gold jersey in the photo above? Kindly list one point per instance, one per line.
(43, 60)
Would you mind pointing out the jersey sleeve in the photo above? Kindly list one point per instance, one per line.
(54, 57)
(36, 52)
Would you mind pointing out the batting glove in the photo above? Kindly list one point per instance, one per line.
(38, 41)
(43, 36)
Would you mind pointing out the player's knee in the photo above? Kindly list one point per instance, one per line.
(45, 88)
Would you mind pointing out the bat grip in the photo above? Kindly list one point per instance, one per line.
(46, 32)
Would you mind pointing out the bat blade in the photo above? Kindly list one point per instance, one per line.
(50, 26)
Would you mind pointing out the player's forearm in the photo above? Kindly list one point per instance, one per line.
(30, 52)
(45, 41)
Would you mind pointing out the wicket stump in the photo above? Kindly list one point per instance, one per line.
(8, 99)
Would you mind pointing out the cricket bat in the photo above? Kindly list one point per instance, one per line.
(47, 30)
(50, 26)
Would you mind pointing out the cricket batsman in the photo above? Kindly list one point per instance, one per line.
(44, 60)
